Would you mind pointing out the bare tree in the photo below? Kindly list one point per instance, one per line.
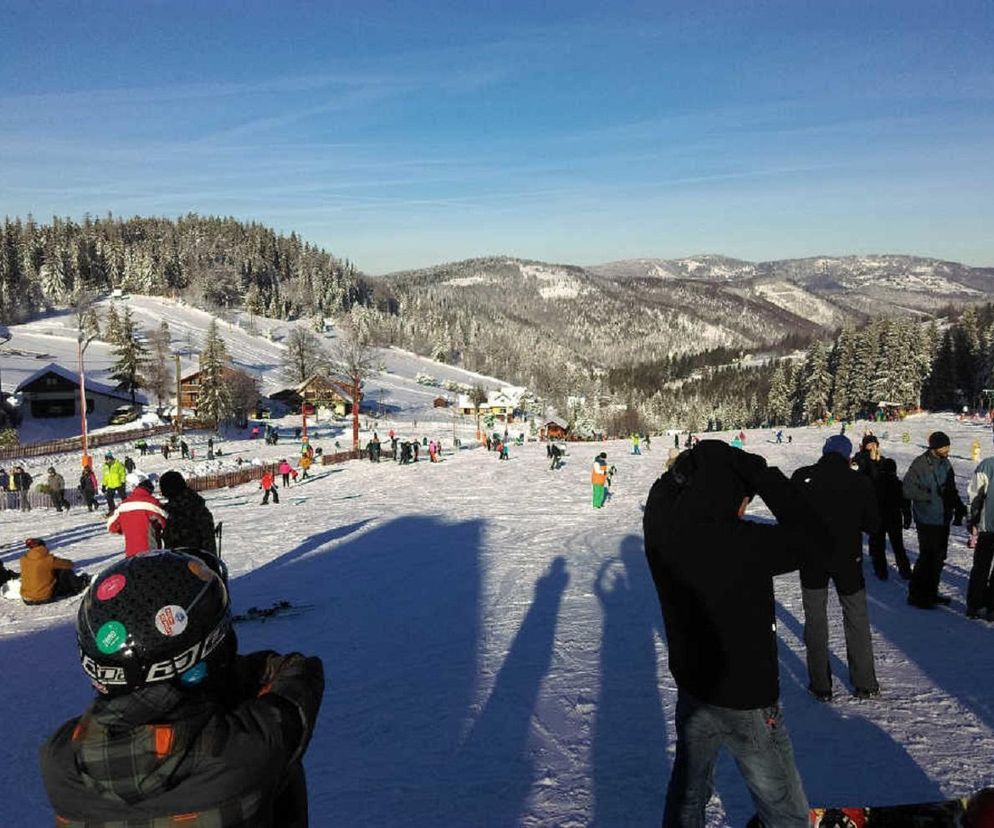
(245, 390)
(354, 359)
(158, 368)
(478, 395)
(305, 355)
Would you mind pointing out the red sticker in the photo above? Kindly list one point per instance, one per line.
(109, 587)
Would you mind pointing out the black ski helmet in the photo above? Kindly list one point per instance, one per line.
(155, 617)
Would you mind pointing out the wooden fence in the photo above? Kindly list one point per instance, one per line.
(68, 444)
(248, 473)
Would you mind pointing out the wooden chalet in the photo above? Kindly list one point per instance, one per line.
(53, 391)
(554, 429)
(323, 391)
(440, 402)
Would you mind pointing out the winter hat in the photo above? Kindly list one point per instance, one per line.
(108, 456)
(32, 542)
(938, 440)
(869, 438)
(602, 456)
(147, 485)
(51, 469)
(171, 484)
(838, 444)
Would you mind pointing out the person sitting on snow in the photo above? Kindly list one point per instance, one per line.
(184, 730)
(46, 578)
(140, 518)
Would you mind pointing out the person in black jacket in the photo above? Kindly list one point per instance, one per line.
(190, 523)
(184, 731)
(895, 517)
(714, 577)
(847, 504)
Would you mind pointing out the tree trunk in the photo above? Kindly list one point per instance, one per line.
(355, 414)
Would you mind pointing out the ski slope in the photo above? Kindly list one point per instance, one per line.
(494, 648)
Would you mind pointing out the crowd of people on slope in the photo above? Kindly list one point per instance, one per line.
(713, 574)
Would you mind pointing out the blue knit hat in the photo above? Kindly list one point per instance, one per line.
(839, 445)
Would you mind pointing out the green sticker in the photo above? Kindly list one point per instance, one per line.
(110, 637)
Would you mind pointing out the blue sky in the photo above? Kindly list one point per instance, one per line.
(402, 134)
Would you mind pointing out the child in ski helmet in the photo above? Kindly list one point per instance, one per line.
(183, 728)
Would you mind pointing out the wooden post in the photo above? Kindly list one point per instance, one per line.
(178, 419)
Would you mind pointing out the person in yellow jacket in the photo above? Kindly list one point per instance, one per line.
(112, 482)
(598, 477)
(305, 464)
(45, 577)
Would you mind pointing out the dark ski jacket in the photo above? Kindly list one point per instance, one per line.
(847, 504)
(190, 523)
(178, 757)
(894, 506)
(714, 571)
(866, 464)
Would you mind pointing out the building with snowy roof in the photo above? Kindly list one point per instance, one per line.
(53, 391)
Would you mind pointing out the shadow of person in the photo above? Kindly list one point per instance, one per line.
(492, 773)
(628, 750)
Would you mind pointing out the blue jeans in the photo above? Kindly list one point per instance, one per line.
(758, 741)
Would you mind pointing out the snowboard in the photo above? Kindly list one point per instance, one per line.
(279, 609)
(947, 814)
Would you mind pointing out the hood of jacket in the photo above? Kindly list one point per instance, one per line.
(125, 732)
(711, 479)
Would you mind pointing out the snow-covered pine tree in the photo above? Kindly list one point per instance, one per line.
(214, 403)
(780, 405)
(112, 328)
(159, 367)
(817, 383)
(130, 354)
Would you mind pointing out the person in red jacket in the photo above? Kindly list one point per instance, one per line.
(141, 519)
(268, 485)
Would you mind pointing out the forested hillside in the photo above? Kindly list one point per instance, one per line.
(213, 262)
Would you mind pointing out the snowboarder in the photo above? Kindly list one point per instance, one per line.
(847, 506)
(112, 482)
(556, 454)
(182, 724)
(598, 479)
(980, 589)
(722, 650)
(930, 484)
(189, 522)
(268, 485)
(57, 489)
(895, 517)
(46, 578)
(140, 519)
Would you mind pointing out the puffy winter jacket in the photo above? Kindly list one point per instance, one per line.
(190, 523)
(162, 756)
(114, 475)
(141, 519)
(847, 503)
(56, 483)
(978, 492)
(38, 567)
(930, 485)
(598, 474)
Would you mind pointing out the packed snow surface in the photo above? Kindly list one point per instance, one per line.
(494, 648)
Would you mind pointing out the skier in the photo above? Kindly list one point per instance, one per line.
(556, 454)
(46, 578)
(88, 487)
(57, 489)
(284, 469)
(895, 516)
(393, 445)
(189, 522)
(414, 451)
(635, 444)
(140, 519)
(847, 505)
(598, 479)
(268, 485)
(930, 484)
(129, 464)
(737, 442)
(210, 448)
(980, 589)
(304, 464)
(112, 482)
(164, 448)
(718, 607)
(183, 730)
(184, 450)
(779, 437)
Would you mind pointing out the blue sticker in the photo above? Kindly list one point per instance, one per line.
(196, 674)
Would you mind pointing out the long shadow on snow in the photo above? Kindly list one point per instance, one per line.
(396, 620)
(630, 766)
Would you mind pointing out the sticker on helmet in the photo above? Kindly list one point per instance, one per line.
(109, 587)
(195, 674)
(111, 637)
(171, 620)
